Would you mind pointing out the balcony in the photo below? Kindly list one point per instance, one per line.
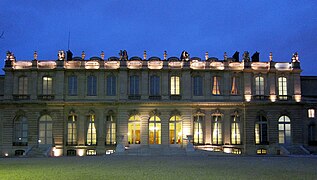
(284, 97)
(19, 143)
(260, 65)
(134, 97)
(21, 96)
(157, 97)
(236, 65)
(73, 64)
(46, 97)
(260, 97)
(175, 97)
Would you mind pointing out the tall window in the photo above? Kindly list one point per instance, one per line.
(217, 130)
(20, 131)
(216, 85)
(312, 139)
(198, 129)
(282, 88)
(284, 130)
(261, 136)
(134, 130)
(47, 85)
(110, 130)
(155, 130)
(259, 85)
(175, 128)
(91, 131)
(91, 85)
(111, 85)
(235, 130)
(198, 85)
(154, 85)
(175, 85)
(311, 113)
(134, 85)
(72, 85)
(23, 85)
(72, 130)
(45, 130)
(234, 86)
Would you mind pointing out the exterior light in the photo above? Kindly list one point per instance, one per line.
(247, 97)
(39, 141)
(297, 98)
(6, 154)
(80, 152)
(273, 98)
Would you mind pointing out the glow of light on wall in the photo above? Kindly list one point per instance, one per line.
(134, 64)
(81, 152)
(92, 65)
(22, 65)
(155, 64)
(227, 150)
(273, 98)
(175, 64)
(297, 98)
(186, 132)
(57, 152)
(283, 66)
(112, 64)
(217, 65)
(6, 154)
(47, 64)
(236, 65)
(259, 65)
(247, 97)
(195, 64)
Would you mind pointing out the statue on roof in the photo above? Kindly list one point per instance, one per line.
(295, 57)
(83, 55)
(123, 55)
(246, 56)
(61, 55)
(255, 57)
(184, 56)
(35, 55)
(165, 55)
(236, 56)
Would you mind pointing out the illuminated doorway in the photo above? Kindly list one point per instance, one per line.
(175, 127)
(155, 130)
(45, 130)
(284, 130)
(134, 130)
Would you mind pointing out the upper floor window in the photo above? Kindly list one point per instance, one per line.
(47, 85)
(154, 85)
(198, 85)
(72, 85)
(23, 85)
(259, 85)
(282, 88)
(234, 86)
(311, 113)
(175, 85)
(134, 85)
(216, 85)
(261, 136)
(20, 131)
(111, 85)
(91, 85)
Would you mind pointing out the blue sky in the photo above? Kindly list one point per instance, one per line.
(282, 27)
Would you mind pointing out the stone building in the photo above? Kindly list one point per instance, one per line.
(78, 106)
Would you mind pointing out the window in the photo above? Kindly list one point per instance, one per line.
(261, 131)
(216, 86)
(111, 85)
(261, 151)
(154, 85)
(259, 85)
(284, 130)
(72, 130)
(45, 130)
(91, 132)
(311, 113)
(217, 130)
(110, 130)
(198, 129)
(198, 85)
(20, 131)
(175, 128)
(72, 85)
(91, 85)
(175, 85)
(47, 85)
(312, 139)
(134, 85)
(155, 130)
(234, 86)
(23, 85)
(134, 130)
(91, 152)
(282, 88)
(235, 130)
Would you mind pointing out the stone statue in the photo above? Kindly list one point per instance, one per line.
(206, 55)
(225, 57)
(125, 55)
(35, 55)
(61, 55)
(144, 55)
(120, 54)
(295, 57)
(102, 55)
(83, 55)
(184, 56)
(255, 57)
(165, 55)
(236, 56)
(246, 56)
(271, 56)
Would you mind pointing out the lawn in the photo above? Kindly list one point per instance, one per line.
(159, 167)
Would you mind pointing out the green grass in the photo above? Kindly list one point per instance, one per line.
(165, 167)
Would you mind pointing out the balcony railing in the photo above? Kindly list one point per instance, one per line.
(21, 96)
(134, 97)
(46, 97)
(175, 97)
(155, 97)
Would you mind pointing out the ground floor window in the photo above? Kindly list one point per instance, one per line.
(110, 130)
(284, 130)
(91, 152)
(134, 130)
(235, 130)
(312, 140)
(260, 129)
(155, 130)
(175, 130)
(198, 129)
(261, 151)
(91, 132)
(217, 130)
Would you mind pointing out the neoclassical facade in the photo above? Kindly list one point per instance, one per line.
(78, 106)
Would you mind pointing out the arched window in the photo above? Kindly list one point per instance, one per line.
(217, 130)
(72, 85)
(175, 85)
(47, 88)
(134, 130)
(155, 130)
(198, 86)
(198, 129)
(175, 130)
(20, 136)
(259, 86)
(91, 85)
(72, 130)
(154, 85)
(45, 130)
(91, 139)
(282, 88)
(235, 130)
(110, 130)
(23, 85)
(284, 130)
(111, 85)
(261, 136)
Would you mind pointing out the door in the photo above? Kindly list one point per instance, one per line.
(284, 130)
(45, 130)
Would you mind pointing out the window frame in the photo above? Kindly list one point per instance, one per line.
(72, 85)
(197, 86)
(92, 86)
(47, 85)
(111, 85)
(175, 88)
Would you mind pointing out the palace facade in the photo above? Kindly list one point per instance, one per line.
(79, 106)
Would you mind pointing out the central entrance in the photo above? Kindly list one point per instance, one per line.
(155, 130)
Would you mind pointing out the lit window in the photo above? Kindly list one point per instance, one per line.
(155, 130)
(261, 151)
(134, 130)
(110, 130)
(91, 132)
(284, 130)
(154, 85)
(198, 129)
(134, 85)
(91, 152)
(72, 85)
(47, 85)
(175, 128)
(311, 113)
(235, 130)
(72, 130)
(217, 130)
(234, 86)
(282, 88)
(111, 85)
(261, 131)
(259, 85)
(216, 86)
(23, 85)
(175, 85)
(91, 85)
(20, 131)
(198, 85)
